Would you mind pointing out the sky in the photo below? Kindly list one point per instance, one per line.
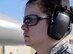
(15, 8)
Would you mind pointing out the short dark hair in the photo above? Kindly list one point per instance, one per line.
(47, 6)
(30, 1)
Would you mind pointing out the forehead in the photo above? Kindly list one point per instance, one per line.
(34, 9)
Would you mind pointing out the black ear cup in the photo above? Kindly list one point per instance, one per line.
(69, 29)
(58, 25)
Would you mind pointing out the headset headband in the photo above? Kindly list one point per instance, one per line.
(65, 4)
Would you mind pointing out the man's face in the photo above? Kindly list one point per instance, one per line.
(37, 34)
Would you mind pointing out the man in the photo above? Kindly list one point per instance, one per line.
(45, 25)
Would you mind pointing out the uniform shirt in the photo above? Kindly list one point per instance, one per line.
(63, 47)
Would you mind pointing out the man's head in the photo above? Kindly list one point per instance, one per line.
(38, 19)
(46, 6)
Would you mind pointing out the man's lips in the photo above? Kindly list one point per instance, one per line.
(26, 36)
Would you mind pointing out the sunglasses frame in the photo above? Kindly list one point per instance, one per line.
(37, 18)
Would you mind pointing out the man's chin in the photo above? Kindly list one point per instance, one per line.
(27, 43)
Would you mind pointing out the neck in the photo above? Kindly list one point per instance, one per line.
(45, 47)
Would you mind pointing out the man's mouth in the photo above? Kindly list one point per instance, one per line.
(26, 36)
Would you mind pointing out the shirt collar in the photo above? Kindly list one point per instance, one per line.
(61, 46)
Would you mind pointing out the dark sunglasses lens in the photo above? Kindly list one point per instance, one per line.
(30, 20)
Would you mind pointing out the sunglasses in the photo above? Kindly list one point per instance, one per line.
(32, 20)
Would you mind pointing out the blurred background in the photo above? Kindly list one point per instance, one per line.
(11, 18)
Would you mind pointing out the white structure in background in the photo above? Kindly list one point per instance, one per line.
(11, 37)
(10, 31)
(18, 50)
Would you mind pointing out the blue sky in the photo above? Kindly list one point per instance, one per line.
(15, 8)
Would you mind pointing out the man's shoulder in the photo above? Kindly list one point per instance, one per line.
(70, 48)
(67, 47)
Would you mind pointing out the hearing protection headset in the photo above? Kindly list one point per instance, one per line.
(59, 23)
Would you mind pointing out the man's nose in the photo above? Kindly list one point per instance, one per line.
(25, 27)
